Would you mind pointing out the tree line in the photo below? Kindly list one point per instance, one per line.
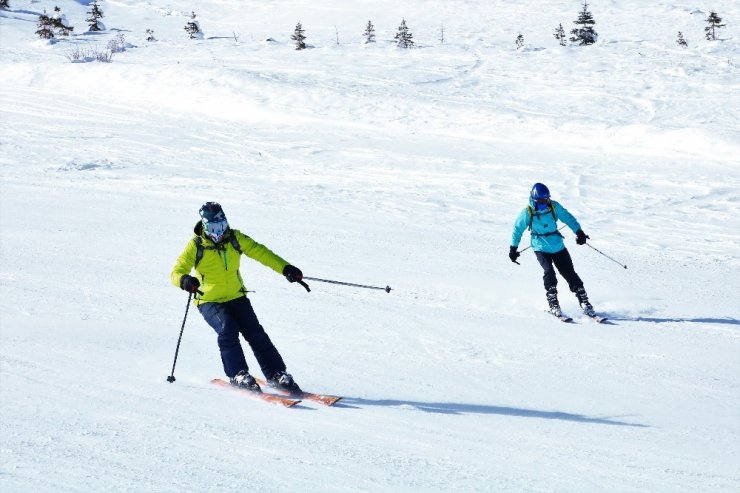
(583, 34)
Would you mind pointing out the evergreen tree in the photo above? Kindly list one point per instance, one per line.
(584, 34)
(560, 34)
(680, 41)
(369, 33)
(193, 27)
(4, 4)
(95, 14)
(404, 38)
(59, 21)
(714, 22)
(45, 27)
(519, 41)
(299, 37)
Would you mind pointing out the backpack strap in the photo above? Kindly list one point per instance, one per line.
(199, 248)
(235, 243)
(551, 210)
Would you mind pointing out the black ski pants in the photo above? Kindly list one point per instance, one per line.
(236, 317)
(564, 264)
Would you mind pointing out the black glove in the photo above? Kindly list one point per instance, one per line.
(292, 274)
(581, 237)
(189, 283)
(513, 254)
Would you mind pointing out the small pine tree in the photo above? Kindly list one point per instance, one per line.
(95, 14)
(299, 36)
(45, 27)
(519, 41)
(4, 4)
(193, 27)
(680, 41)
(560, 34)
(150, 35)
(369, 33)
(585, 34)
(59, 21)
(715, 22)
(404, 38)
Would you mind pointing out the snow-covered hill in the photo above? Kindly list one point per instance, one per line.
(375, 165)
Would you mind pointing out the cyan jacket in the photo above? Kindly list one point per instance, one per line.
(218, 270)
(545, 235)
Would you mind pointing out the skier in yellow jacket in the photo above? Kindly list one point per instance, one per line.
(214, 253)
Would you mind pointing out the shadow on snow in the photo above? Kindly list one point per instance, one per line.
(727, 320)
(458, 408)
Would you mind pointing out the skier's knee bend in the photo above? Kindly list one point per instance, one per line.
(258, 339)
(228, 339)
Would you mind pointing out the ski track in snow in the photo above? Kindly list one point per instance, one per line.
(382, 166)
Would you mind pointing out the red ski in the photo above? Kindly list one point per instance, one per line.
(278, 400)
(597, 318)
(594, 316)
(327, 400)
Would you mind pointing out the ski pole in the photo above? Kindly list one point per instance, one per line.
(387, 289)
(607, 256)
(171, 378)
(520, 252)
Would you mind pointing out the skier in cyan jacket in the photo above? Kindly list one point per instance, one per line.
(214, 252)
(541, 217)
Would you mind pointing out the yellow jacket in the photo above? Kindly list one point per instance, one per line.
(218, 270)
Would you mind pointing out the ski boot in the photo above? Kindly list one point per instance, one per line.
(284, 381)
(245, 381)
(587, 308)
(552, 300)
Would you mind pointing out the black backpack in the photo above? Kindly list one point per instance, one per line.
(200, 249)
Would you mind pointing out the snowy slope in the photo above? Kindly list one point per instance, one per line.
(376, 165)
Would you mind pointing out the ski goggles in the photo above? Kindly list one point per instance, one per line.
(542, 203)
(215, 230)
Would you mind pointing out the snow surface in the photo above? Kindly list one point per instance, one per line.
(376, 165)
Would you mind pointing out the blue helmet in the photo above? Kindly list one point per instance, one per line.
(214, 221)
(539, 191)
(539, 196)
